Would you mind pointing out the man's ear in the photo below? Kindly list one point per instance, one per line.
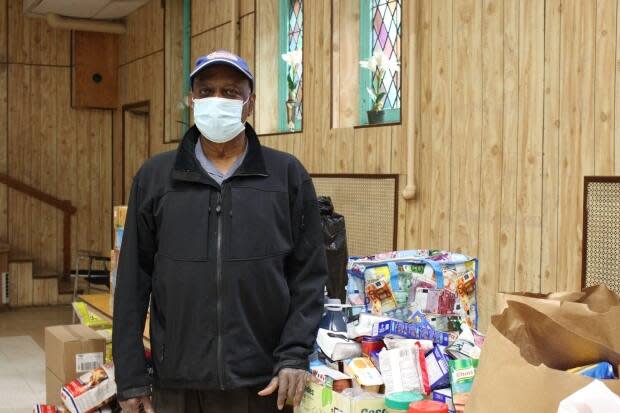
(190, 99)
(251, 104)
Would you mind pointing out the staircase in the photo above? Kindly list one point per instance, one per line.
(27, 288)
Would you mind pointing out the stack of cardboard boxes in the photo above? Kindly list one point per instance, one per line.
(70, 351)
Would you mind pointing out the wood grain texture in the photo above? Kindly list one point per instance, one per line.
(87, 92)
(267, 61)
(576, 152)
(491, 155)
(4, 150)
(529, 145)
(551, 132)
(207, 14)
(33, 41)
(467, 130)
(605, 78)
(4, 31)
(145, 34)
(509, 152)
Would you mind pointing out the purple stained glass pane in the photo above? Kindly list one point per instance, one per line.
(295, 42)
(385, 36)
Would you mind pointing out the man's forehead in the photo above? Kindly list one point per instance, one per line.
(220, 72)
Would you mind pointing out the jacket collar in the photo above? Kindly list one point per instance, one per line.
(187, 167)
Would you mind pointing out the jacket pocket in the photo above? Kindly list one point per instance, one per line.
(183, 224)
(260, 223)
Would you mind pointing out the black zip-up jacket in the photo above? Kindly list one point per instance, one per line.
(235, 273)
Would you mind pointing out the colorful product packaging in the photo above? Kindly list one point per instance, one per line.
(364, 373)
(404, 370)
(462, 374)
(416, 331)
(437, 368)
(601, 371)
(90, 319)
(401, 282)
(90, 391)
(444, 396)
(464, 346)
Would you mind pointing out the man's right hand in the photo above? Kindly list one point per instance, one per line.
(133, 405)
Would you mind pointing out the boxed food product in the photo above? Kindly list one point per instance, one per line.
(404, 370)
(47, 408)
(364, 373)
(120, 215)
(399, 283)
(444, 396)
(91, 390)
(462, 373)
(322, 399)
(69, 351)
(408, 330)
(89, 319)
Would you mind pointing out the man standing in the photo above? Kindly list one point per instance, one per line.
(224, 237)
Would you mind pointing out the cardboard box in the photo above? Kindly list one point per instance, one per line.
(52, 388)
(70, 345)
(320, 399)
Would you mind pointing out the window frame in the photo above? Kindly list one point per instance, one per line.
(284, 11)
(365, 76)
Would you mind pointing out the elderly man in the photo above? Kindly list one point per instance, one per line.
(223, 235)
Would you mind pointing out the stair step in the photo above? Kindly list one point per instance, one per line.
(45, 274)
(4, 248)
(66, 287)
(20, 258)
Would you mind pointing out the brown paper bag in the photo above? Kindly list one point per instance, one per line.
(526, 352)
(598, 298)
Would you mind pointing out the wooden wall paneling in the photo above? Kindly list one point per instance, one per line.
(401, 242)
(395, 153)
(207, 14)
(267, 61)
(33, 162)
(4, 147)
(13, 285)
(145, 34)
(33, 41)
(47, 141)
(317, 94)
(86, 92)
(4, 31)
(550, 167)
(440, 93)
(246, 7)
(246, 44)
(509, 151)
(605, 76)
(19, 131)
(616, 106)
(66, 161)
(82, 202)
(491, 156)
(576, 132)
(344, 141)
(466, 113)
(209, 41)
(39, 292)
(345, 63)
(156, 99)
(530, 128)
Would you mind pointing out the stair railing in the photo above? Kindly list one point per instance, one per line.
(65, 206)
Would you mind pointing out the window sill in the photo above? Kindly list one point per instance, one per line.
(376, 125)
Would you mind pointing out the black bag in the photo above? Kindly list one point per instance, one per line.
(335, 241)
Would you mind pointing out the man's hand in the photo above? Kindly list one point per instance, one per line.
(290, 384)
(133, 405)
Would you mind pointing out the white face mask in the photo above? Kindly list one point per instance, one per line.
(219, 119)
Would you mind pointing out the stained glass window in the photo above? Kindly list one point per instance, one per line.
(295, 42)
(380, 31)
(291, 75)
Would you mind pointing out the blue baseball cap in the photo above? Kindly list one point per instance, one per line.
(223, 57)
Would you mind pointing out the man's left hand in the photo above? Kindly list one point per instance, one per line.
(290, 384)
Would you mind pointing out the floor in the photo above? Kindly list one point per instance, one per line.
(22, 357)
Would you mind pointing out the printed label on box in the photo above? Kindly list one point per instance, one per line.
(85, 362)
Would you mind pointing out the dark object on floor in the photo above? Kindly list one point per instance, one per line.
(335, 241)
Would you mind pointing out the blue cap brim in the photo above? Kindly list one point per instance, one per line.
(225, 62)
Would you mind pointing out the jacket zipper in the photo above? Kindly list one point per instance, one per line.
(218, 211)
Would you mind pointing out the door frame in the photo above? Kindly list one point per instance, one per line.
(128, 108)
